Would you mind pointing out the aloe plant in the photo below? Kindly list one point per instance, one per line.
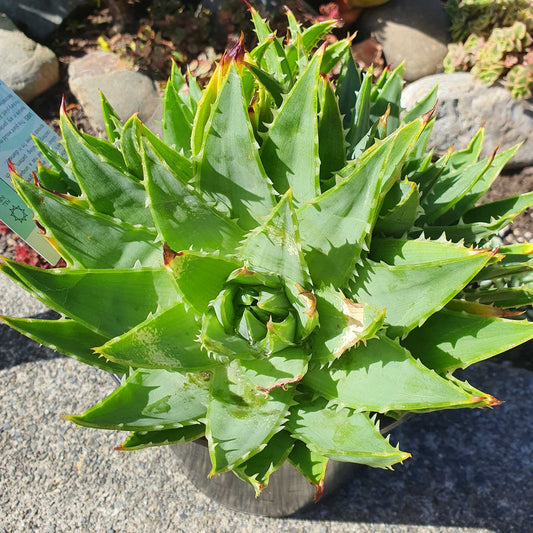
(286, 267)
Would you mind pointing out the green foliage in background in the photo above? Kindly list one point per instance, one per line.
(493, 41)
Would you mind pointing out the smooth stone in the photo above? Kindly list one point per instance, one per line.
(28, 68)
(39, 17)
(128, 92)
(464, 104)
(412, 30)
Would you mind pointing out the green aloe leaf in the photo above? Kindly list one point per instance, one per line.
(511, 264)
(280, 334)
(138, 440)
(181, 215)
(290, 149)
(167, 340)
(113, 126)
(204, 109)
(361, 114)
(333, 54)
(130, 146)
(271, 58)
(501, 210)
(348, 86)
(454, 338)
(281, 369)
(240, 419)
(342, 435)
(109, 188)
(337, 225)
(399, 210)
(65, 180)
(53, 180)
(331, 145)
(314, 34)
(437, 197)
(304, 303)
(200, 277)
(257, 470)
(448, 190)
(423, 106)
(484, 221)
(177, 116)
(150, 400)
(505, 297)
(480, 187)
(310, 464)
(412, 290)
(382, 376)
(67, 337)
(275, 246)
(225, 347)
(271, 84)
(179, 164)
(229, 166)
(343, 324)
(388, 97)
(116, 310)
(89, 239)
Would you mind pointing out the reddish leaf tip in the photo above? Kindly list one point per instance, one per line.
(42, 229)
(235, 53)
(319, 489)
(309, 298)
(245, 272)
(426, 117)
(491, 401)
(63, 105)
(169, 254)
(11, 167)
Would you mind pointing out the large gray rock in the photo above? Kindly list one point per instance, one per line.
(412, 30)
(464, 104)
(39, 17)
(128, 92)
(26, 67)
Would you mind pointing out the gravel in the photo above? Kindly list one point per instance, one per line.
(469, 472)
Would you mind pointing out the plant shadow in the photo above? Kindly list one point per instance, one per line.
(470, 468)
(16, 349)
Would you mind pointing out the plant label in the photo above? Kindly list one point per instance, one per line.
(17, 125)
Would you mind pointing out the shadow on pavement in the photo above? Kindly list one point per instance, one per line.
(470, 468)
(16, 349)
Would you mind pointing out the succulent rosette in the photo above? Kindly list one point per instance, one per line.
(282, 269)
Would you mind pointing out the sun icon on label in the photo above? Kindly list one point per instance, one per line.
(18, 214)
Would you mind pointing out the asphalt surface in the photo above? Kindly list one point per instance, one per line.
(471, 470)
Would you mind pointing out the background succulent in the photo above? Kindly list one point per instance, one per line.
(283, 269)
(494, 42)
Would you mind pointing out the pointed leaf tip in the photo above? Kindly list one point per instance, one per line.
(489, 400)
(309, 298)
(169, 254)
(63, 106)
(235, 53)
(426, 117)
(319, 489)
(11, 167)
